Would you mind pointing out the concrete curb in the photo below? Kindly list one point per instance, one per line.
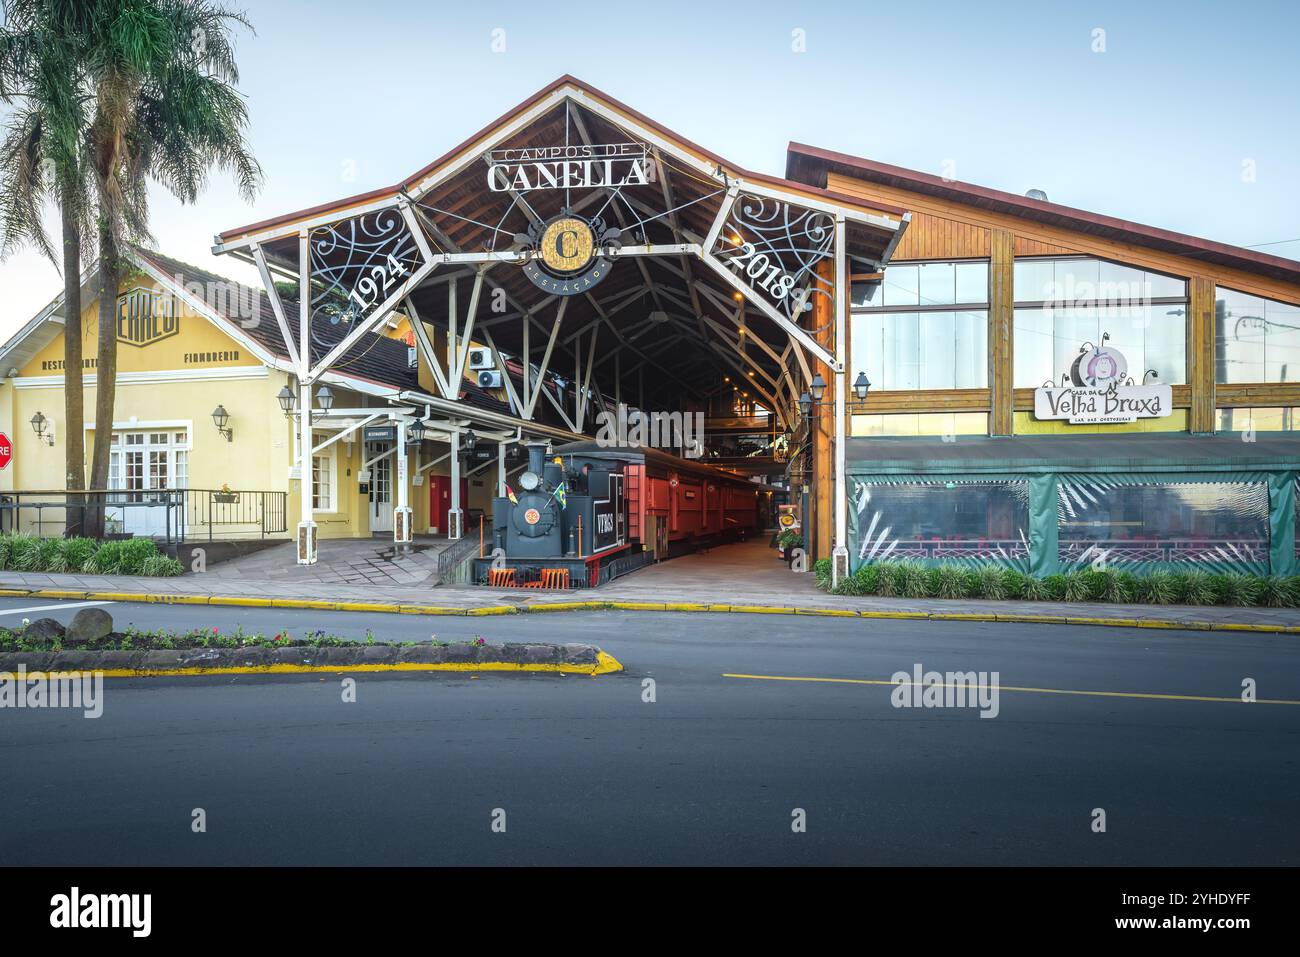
(456, 656)
(557, 606)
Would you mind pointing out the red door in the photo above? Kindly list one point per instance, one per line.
(440, 500)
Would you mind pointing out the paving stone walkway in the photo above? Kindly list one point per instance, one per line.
(350, 561)
(747, 574)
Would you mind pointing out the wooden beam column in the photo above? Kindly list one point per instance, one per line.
(1001, 333)
(1200, 359)
(822, 500)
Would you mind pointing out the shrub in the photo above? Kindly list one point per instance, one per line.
(950, 582)
(1077, 587)
(5, 541)
(107, 559)
(1110, 585)
(1197, 589)
(1035, 589)
(1219, 588)
(990, 583)
(1277, 592)
(822, 572)
(135, 552)
(1239, 590)
(51, 555)
(1157, 588)
(79, 552)
(868, 577)
(1055, 586)
(887, 583)
(914, 580)
(24, 553)
(1013, 583)
(161, 566)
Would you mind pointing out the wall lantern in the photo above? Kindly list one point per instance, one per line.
(805, 404)
(43, 428)
(287, 400)
(325, 398)
(416, 432)
(220, 416)
(860, 386)
(471, 440)
(818, 387)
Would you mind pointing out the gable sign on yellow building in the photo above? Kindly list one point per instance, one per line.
(146, 316)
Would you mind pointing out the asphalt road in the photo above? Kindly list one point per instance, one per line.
(711, 771)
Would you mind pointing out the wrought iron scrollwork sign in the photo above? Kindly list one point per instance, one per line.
(358, 263)
(775, 248)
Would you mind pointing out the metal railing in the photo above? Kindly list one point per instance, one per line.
(111, 513)
(174, 516)
(227, 514)
(453, 560)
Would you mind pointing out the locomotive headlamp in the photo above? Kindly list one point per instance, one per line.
(529, 481)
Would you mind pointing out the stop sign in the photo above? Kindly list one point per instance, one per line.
(6, 451)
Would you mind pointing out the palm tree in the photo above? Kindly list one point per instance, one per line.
(166, 109)
(42, 159)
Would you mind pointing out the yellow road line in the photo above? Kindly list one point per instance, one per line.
(1093, 694)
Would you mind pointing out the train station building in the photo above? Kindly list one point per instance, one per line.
(933, 370)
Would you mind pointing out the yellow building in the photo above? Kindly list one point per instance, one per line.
(191, 343)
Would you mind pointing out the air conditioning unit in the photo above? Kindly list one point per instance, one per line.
(480, 359)
(489, 379)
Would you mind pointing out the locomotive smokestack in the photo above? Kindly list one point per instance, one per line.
(536, 457)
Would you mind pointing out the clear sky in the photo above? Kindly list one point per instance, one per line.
(1181, 115)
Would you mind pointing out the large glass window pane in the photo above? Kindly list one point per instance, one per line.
(1213, 525)
(972, 283)
(1166, 343)
(1239, 325)
(1032, 338)
(1076, 279)
(902, 351)
(1281, 342)
(902, 286)
(1120, 284)
(970, 363)
(926, 350)
(942, 520)
(938, 343)
(1165, 287)
(937, 284)
(1032, 280)
(1071, 329)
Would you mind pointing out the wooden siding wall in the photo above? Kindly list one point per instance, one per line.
(944, 229)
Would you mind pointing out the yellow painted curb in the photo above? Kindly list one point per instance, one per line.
(557, 606)
(241, 601)
(605, 664)
(493, 610)
(564, 606)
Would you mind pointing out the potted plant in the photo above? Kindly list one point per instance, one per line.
(788, 541)
(225, 496)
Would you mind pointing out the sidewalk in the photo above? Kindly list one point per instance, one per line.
(735, 578)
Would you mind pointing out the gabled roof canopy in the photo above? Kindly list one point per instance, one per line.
(663, 310)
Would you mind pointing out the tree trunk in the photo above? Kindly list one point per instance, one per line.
(110, 268)
(74, 406)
